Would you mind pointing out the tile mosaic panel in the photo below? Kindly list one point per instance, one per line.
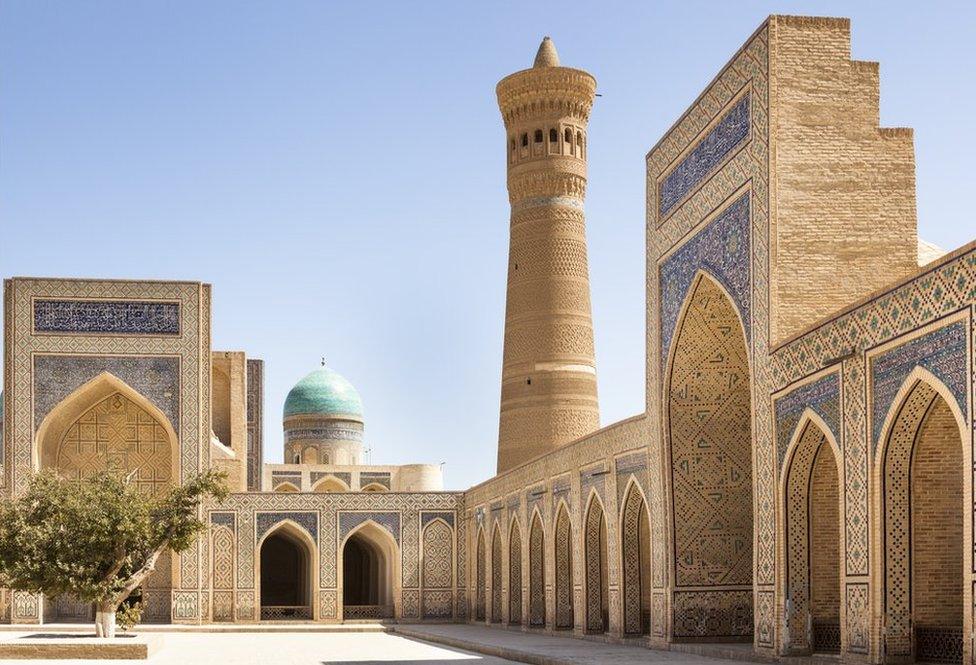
(223, 519)
(316, 476)
(307, 520)
(388, 520)
(430, 516)
(124, 317)
(255, 422)
(822, 396)
(729, 134)
(157, 378)
(942, 352)
(722, 250)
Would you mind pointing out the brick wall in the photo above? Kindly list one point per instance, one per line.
(824, 537)
(842, 189)
(937, 491)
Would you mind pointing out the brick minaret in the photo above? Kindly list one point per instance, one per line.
(549, 371)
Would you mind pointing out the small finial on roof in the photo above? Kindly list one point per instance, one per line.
(323, 361)
(546, 56)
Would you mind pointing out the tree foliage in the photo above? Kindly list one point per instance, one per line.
(99, 538)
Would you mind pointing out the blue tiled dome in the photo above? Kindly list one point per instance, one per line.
(324, 392)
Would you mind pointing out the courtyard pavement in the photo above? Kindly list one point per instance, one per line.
(304, 648)
(541, 649)
(411, 644)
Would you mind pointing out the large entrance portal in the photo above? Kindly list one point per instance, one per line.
(285, 578)
(367, 575)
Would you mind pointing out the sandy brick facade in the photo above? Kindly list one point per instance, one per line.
(801, 479)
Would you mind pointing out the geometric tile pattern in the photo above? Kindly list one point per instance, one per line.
(822, 396)
(595, 563)
(564, 571)
(117, 433)
(537, 574)
(635, 541)
(121, 317)
(155, 378)
(942, 352)
(307, 520)
(388, 520)
(720, 249)
(711, 437)
(728, 134)
(515, 575)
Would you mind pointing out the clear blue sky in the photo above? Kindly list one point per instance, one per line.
(337, 172)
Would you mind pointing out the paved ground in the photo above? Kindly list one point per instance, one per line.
(540, 649)
(281, 648)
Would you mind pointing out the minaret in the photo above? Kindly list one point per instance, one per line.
(549, 371)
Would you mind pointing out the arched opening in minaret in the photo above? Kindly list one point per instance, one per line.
(286, 575)
(538, 136)
(709, 434)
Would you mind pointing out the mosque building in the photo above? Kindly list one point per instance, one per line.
(800, 479)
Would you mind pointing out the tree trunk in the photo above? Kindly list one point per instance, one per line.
(105, 619)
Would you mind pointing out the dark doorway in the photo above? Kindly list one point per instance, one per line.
(366, 592)
(284, 578)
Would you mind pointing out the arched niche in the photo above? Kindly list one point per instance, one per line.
(595, 567)
(811, 515)
(635, 539)
(537, 572)
(106, 424)
(330, 484)
(107, 421)
(496, 574)
(369, 565)
(287, 573)
(563, 548)
(480, 577)
(708, 431)
(515, 573)
(923, 531)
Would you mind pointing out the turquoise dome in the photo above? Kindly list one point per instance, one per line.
(324, 392)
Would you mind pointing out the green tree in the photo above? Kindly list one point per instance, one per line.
(99, 538)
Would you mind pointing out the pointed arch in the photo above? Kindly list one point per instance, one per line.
(375, 487)
(287, 572)
(222, 566)
(811, 517)
(330, 484)
(437, 569)
(105, 419)
(922, 534)
(369, 572)
(563, 547)
(286, 486)
(635, 540)
(537, 570)
(515, 572)
(708, 433)
(480, 581)
(496, 573)
(596, 575)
